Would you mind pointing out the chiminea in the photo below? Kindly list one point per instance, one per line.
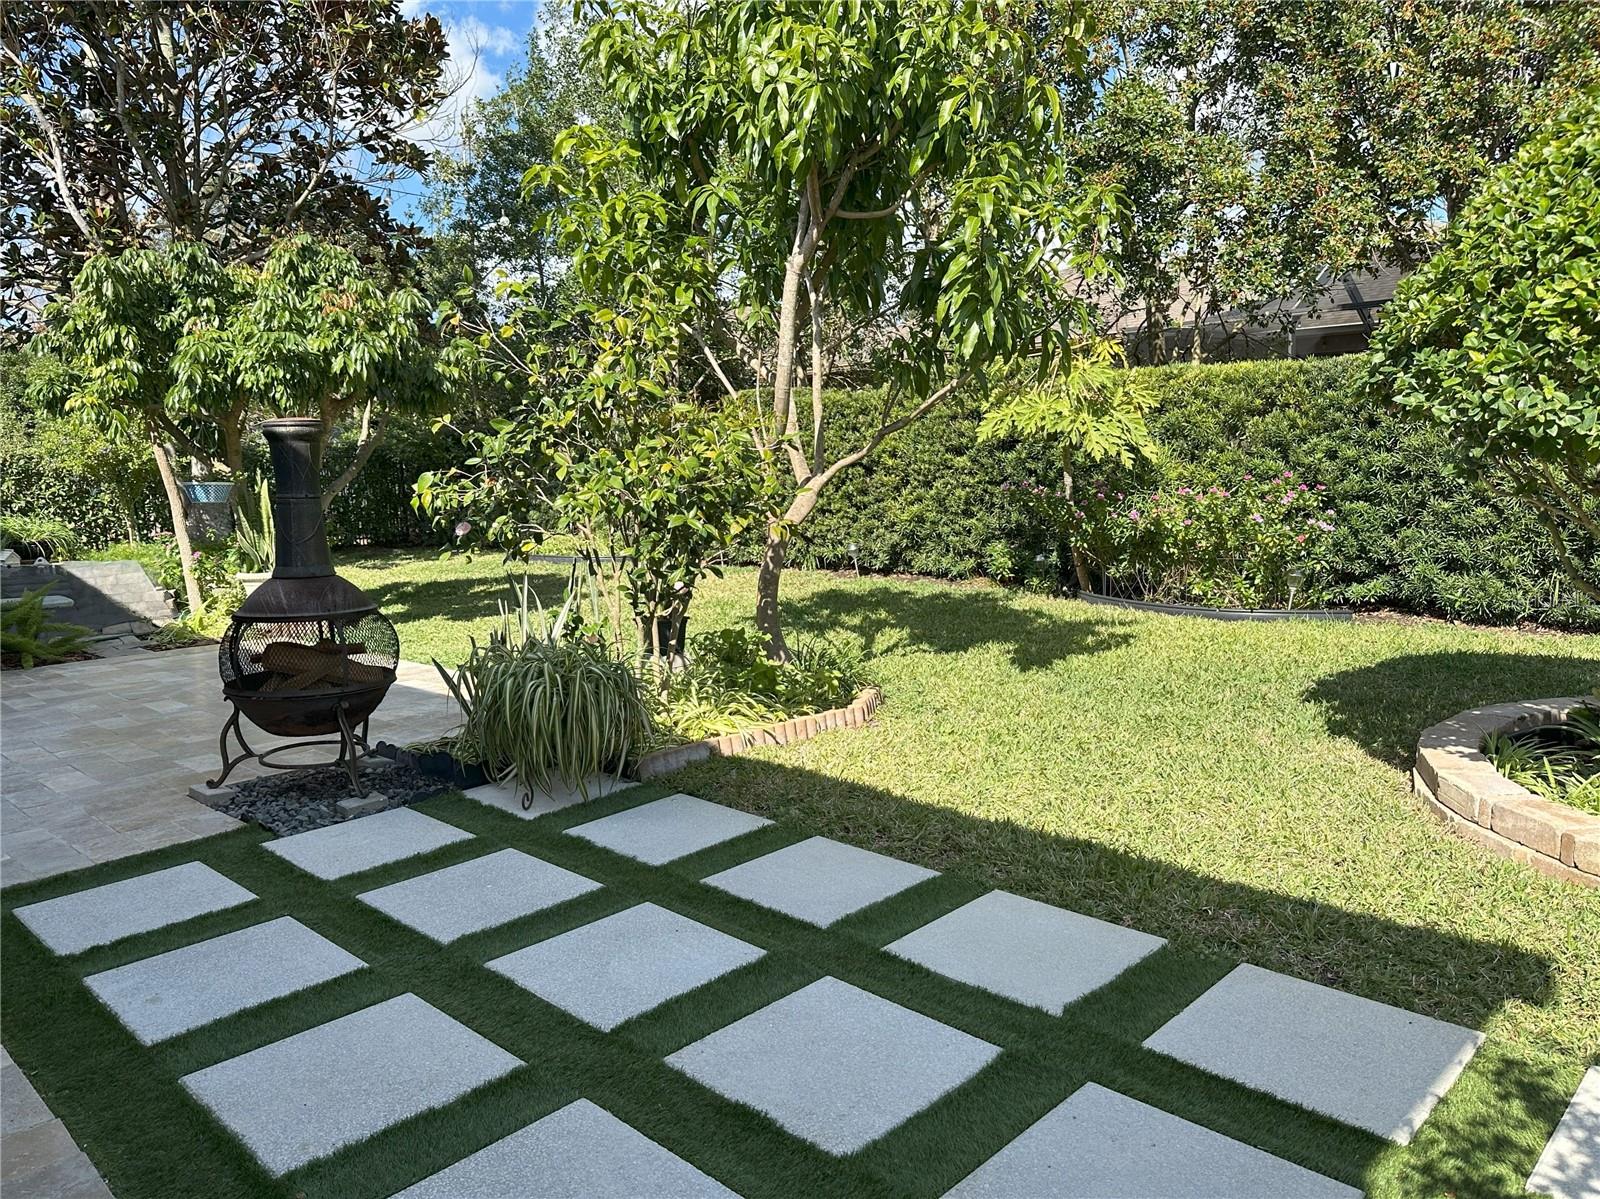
(307, 653)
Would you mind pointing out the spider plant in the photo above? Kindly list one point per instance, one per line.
(546, 697)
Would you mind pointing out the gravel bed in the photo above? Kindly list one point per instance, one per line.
(296, 801)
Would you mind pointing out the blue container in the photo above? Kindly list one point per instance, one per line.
(207, 493)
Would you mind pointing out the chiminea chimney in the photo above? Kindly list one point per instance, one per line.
(307, 654)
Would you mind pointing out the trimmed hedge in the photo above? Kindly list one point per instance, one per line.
(1410, 534)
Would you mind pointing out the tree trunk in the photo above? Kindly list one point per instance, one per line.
(371, 434)
(180, 527)
(768, 620)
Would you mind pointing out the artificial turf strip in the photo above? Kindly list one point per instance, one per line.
(148, 1136)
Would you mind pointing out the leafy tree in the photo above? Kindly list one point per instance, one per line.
(801, 185)
(124, 123)
(1263, 146)
(308, 333)
(604, 443)
(1495, 336)
(191, 349)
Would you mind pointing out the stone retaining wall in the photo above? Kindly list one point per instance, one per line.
(1462, 786)
(800, 728)
(107, 597)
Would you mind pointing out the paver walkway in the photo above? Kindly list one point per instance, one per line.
(38, 1157)
(97, 758)
(829, 1061)
(1569, 1167)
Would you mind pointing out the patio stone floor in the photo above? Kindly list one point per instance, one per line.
(97, 758)
(840, 1061)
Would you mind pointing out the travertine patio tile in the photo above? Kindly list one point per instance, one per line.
(1098, 1144)
(1043, 956)
(819, 880)
(75, 922)
(358, 845)
(669, 828)
(1569, 1166)
(171, 993)
(579, 1152)
(625, 964)
(1368, 1064)
(301, 1098)
(835, 1065)
(478, 894)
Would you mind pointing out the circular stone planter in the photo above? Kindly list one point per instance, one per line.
(1200, 610)
(1464, 789)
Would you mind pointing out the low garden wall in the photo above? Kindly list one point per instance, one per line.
(1462, 786)
(800, 728)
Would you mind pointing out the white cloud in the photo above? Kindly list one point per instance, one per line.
(469, 78)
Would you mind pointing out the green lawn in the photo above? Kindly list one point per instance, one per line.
(1237, 789)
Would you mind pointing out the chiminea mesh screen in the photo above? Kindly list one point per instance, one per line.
(296, 657)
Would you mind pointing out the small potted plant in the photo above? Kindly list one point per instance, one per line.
(254, 536)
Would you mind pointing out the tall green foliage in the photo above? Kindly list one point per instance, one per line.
(1408, 534)
(798, 183)
(1496, 337)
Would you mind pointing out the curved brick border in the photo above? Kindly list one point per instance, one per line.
(1463, 787)
(800, 728)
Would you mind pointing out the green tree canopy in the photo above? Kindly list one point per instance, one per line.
(123, 123)
(1498, 335)
(805, 187)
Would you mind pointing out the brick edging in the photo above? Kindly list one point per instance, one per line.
(799, 728)
(1462, 787)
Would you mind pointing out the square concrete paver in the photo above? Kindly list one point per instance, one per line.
(162, 996)
(507, 797)
(478, 894)
(1569, 1167)
(1039, 955)
(668, 828)
(361, 844)
(819, 880)
(834, 1064)
(625, 964)
(1368, 1064)
(100, 915)
(299, 1099)
(1098, 1143)
(579, 1152)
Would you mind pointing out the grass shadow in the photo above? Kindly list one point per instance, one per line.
(889, 618)
(1385, 706)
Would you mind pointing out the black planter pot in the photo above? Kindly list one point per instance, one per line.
(437, 764)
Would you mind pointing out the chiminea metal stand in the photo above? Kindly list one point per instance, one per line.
(307, 654)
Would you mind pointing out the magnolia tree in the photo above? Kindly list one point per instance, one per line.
(805, 188)
(192, 350)
(1495, 337)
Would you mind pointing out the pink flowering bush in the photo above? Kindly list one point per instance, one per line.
(1260, 543)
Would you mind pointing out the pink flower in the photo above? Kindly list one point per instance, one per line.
(1256, 516)
(1133, 514)
(1300, 540)
(1249, 478)
(1288, 474)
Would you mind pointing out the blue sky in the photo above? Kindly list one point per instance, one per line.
(487, 39)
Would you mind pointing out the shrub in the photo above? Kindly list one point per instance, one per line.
(1409, 534)
(1494, 337)
(1257, 543)
(28, 633)
(1558, 761)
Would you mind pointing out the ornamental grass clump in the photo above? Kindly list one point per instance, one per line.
(1261, 543)
(548, 697)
